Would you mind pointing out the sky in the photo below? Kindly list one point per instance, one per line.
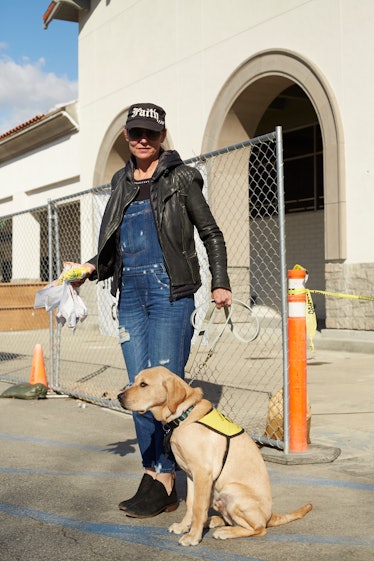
(38, 67)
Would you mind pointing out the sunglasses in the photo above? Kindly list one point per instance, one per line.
(138, 134)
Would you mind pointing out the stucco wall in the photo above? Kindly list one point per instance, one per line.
(48, 172)
(180, 54)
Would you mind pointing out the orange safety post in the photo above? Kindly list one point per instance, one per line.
(297, 379)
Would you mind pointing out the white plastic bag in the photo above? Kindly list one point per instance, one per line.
(48, 297)
(63, 295)
(71, 309)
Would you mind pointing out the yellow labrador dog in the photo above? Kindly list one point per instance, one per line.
(224, 467)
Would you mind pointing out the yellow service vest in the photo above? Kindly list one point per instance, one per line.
(218, 422)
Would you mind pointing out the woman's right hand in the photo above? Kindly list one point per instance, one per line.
(71, 265)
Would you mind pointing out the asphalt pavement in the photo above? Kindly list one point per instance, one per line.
(66, 464)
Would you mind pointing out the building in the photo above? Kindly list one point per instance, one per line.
(226, 72)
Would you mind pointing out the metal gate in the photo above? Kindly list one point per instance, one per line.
(240, 361)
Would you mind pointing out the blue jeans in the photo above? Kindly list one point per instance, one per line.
(153, 331)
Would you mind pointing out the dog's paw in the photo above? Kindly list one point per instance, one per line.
(190, 539)
(215, 522)
(178, 528)
(221, 534)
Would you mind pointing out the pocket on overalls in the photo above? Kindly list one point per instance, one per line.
(134, 233)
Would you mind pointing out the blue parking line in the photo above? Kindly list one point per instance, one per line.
(155, 537)
(160, 538)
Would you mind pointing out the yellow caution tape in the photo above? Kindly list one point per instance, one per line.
(310, 316)
(311, 320)
(340, 295)
(296, 291)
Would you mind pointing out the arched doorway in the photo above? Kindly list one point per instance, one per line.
(280, 88)
(113, 151)
(303, 182)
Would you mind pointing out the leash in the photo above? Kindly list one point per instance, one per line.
(206, 324)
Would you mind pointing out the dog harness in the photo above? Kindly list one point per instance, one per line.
(215, 421)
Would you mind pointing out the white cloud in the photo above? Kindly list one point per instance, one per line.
(26, 90)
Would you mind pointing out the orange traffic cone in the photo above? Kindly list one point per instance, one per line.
(37, 374)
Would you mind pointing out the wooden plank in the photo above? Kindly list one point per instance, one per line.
(17, 311)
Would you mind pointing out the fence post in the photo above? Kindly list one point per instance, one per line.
(297, 379)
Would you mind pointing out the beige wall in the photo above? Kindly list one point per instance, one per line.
(184, 54)
(48, 172)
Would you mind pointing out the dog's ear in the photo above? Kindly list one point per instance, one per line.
(176, 392)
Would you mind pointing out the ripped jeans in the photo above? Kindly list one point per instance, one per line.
(153, 331)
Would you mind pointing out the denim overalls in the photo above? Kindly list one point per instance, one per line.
(153, 330)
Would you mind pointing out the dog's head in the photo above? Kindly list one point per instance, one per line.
(160, 391)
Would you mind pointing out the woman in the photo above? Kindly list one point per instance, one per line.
(146, 244)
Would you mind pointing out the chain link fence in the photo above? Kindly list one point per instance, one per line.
(238, 359)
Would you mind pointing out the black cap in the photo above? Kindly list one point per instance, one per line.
(146, 116)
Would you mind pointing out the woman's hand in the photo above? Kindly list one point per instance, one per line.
(90, 268)
(222, 297)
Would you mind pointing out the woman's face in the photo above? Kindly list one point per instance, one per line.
(145, 144)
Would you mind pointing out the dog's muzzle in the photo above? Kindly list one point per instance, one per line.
(121, 395)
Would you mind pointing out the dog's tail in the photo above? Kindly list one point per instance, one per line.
(279, 519)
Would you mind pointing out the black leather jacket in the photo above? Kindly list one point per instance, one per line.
(178, 205)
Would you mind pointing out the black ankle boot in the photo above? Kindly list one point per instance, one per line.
(156, 501)
(143, 489)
